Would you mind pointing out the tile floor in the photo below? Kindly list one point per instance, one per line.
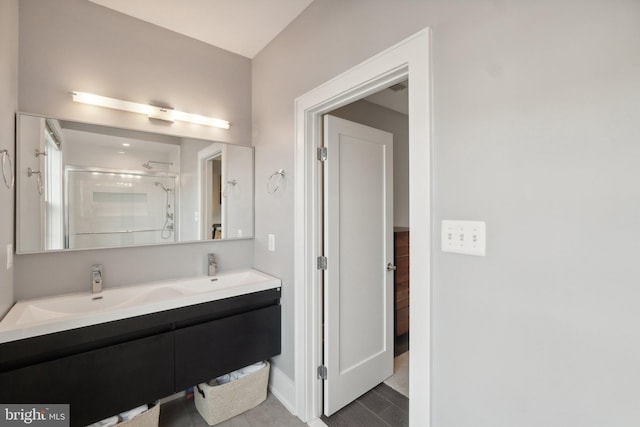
(399, 381)
(387, 405)
(381, 407)
(183, 413)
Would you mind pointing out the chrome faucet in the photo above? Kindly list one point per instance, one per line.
(213, 267)
(96, 278)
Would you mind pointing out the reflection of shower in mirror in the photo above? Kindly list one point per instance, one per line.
(147, 164)
(100, 192)
(108, 207)
(167, 228)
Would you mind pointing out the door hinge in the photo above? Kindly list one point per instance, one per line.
(322, 263)
(322, 372)
(322, 154)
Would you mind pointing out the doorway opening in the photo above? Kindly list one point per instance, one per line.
(375, 222)
(388, 110)
(213, 199)
(408, 59)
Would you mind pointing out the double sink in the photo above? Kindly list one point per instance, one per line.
(48, 315)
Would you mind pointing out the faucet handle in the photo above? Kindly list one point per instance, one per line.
(96, 278)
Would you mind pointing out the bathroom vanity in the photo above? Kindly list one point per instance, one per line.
(184, 334)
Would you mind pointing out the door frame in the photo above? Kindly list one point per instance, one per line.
(408, 59)
(204, 155)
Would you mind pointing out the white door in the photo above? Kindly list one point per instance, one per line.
(358, 285)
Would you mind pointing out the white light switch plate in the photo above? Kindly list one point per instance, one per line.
(464, 237)
(272, 242)
(9, 256)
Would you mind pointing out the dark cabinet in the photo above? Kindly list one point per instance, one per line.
(98, 383)
(215, 348)
(106, 369)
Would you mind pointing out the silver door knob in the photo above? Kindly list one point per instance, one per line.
(391, 267)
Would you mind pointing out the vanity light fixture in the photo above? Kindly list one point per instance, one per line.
(153, 112)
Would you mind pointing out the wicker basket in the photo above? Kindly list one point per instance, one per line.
(148, 418)
(224, 401)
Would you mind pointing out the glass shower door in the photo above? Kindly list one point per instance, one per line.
(111, 209)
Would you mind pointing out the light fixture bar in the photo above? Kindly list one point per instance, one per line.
(152, 111)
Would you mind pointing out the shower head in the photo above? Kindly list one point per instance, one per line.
(147, 164)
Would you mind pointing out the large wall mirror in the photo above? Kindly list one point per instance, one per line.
(84, 186)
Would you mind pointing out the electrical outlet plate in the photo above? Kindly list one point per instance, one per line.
(464, 237)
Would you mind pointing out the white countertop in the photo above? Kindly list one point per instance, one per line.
(31, 318)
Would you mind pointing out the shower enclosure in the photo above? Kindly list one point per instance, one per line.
(108, 208)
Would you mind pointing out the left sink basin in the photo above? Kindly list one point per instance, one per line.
(51, 309)
(71, 305)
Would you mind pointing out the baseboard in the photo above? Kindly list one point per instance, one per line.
(283, 388)
(316, 423)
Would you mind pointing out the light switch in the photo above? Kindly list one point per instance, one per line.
(272, 242)
(239, 232)
(9, 256)
(464, 237)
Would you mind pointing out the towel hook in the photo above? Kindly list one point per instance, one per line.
(12, 177)
(30, 173)
(274, 181)
(231, 182)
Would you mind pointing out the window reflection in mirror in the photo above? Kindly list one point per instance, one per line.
(83, 186)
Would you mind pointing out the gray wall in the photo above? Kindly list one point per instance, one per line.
(8, 107)
(370, 114)
(536, 108)
(39, 275)
(77, 45)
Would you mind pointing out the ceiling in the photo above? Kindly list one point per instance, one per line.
(244, 27)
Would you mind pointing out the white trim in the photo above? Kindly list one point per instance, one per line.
(409, 58)
(282, 388)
